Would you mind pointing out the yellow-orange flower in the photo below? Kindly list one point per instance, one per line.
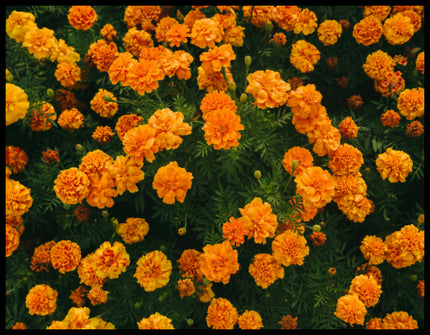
(217, 57)
(125, 123)
(329, 32)
(305, 101)
(186, 287)
(144, 76)
(97, 295)
(141, 142)
(87, 271)
(374, 323)
(235, 231)
(82, 17)
(205, 33)
(398, 29)
(366, 288)
(394, 165)
(177, 64)
(390, 118)
(288, 322)
(419, 62)
(259, 15)
(101, 191)
(42, 117)
(399, 320)
(268, 89)
(250, 320)
(71, 119)
(102, 134)
(133, 230)
(286, 17)
(127, 173)
(172, 182)
(346, 160)
(72, 186)
(317, 238)
(214, 80)
(153, 270)
(302, 156)
(216, 100)
(16, 159)
(111, 260)
(265, 270)
(218, 262)
(19, 325)
(304, 56)
(367, 31)
(373, 249)
(411, 103)
(177, 34)
(41, 300)
(76, 318)
(102, 106)
(18, 24)
(65, 256)
(17, 103)
(68, 74)
(379, 12)
(305, 22)
(348, 128)
(350, 309)
(18, 199)
(118, 70)
(289, 248)
(155, 321)
(189, 264)
(420, 288)
(163, 26)
(135, 40)
(378, 64)
(12, 240)
(414, 129)
(108, 32)
(41, 43)
(78, 296)
(279, 39)
(393, 81)
(41, 258)
(221, 314)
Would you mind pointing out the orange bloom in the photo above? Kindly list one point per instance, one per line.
(394, 165)
(329, 32)
(235, 230)
(111, 260)
(279, 39)
(178, 63)
(378, 64)
(216, 100)
(42, 117)
(399, 320)
(103, 134)
(346, 160)
(250, 320)
(64, 53)
(82, 17)
(41, 258)
(186, 287)
(153, 270)
(217, 58)
(419, 62)
(379, 12)
(218, 262)
(133, 15)
(40, 42)
(12, 240)
(265, 270)
(260, 15)
(101, 191)
(390, 118)
(118, 70)
(305, 101)
(192, 16)
(97, 295)
(368, 31)
(420, 288)
(19, 325)
(234, 36)
(414, 129)
(189, 264)
(315, 186)
(177, 34)
(141, 142)
(393, 81)
(135, 40)
(268, 89)
(76, 318)
(348, 186)
(143, 76)
(302, 156)
(205, 33)
(288, 322)
(261, 222)
(41, 300)
(71, 119)
(350, 309)
(65, 256)
(354, 101)
(68, 74)
(96, 162)
(348, 128)
(16, 103)
(286, 17)
(358, 209)
(374, 323)
(411, 103)
(18, 24)
(317, 238)
(108, 32)
(65, 99)
(163, 26)
(289, 248)
(415, 19)
(127, 173)
(87, 271)
(172, 182)
(305, 22)
(72, 186)
(133, 230)
(18, 199)
(214, 80)
(366, 288)
(155, 321)
(82, 213)
(398, 29)
(78, 296)
(304, 56)
(373, 249)
(16, 159)
(326, 138)
(125, 123)
(221, 314)
(104, 107)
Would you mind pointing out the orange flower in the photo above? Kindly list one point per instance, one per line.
(18, 24)
(41, 300)
(153, 270)
(306, 22)
(305, 101)
(420, 288)
(65, 256)
(348, 188)
(414, 129)
(71, 119)
(42, 117)
(155, 321)
(19, 325)
(192, 16)
(127, 173)
(108, 32)
(366, 289)
(390, 118)
(348, 128)
(419, 62)
(41, 258)
(96, 162)
(393, 81)
(82, 17)
(78, 296)
(189, 264)
(12, 240)
(18, 199)
(163, 26)
(170, 127)
(141, 142)
(350, 309)
(411, 103)
(64, 53)
(205, 33)
(135, 40)
(118, 70)
(260, 15)
(40, 42)
(250, 320)
(373, 249)
(358, 209)
(216, 100)
(374, 323)
(354, 101)
(288, 322)
(82, 213)
(102, 104)
(346, 160)
(217, 58)
(87, 271)
(367, 31)
(268, 89)
(286, 17)
(77, 318)
(214, 80)
(399, 320)
(261, 222)
(279, 39)
(97, 295)
(16, 103)
(177, 34)
(172, 182)
(379, 12)
(221, 314)
(111, 260)
(329, 32)
(304, 56)
(398, 29)
(235, 230)
(289, 248)
(186, 287)
(125, 123)
(218, 262)
(16, 159)
(326, 138)
(265, 270)
(65, 99)
(178, 63)
(101, 191)
(394, 165)
(234, 36)
(143, 76)
(68, 74)
(315, 186)
(317, 238)
(378, 64)
(133, 230)
(103, 134)
(72, 186)
(415, 19)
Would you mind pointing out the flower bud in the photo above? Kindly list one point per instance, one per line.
(257, 174)
(294, 165)
(243, 97)
(316, 227)
(190, 322)
(268, 26)
(421, 219)
(108, 98)
(331, 271)
(78, 147)
(163, 247)
(232, 86)
(50, 93)
(137, 304)
(367, 170)
(414, 277)
(9, 76)
(182, 231)
(248, 60)
(105, 214)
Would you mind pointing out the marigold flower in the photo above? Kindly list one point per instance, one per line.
(216, 100)
(349, 188)
(72, 186)
(399, 320)
(17, 103)
(155, 321)
(419, 62)
(378, 64)
(186, 287)
(144, 76)
(96, 162)
(326, 138)
(315, 186)
(286, 17)
(411, 103)
(18, 199)
(103, 134)
(367, 31)
(373, 249)
(111, 260)
(289, 248)
(390, 118)
(221, 314)
(108, 32)
(420, 288)
(87, 271)
(102, 104)
(71, 119)
(304, 56)
(97, 295)
(77, 318)
(414, 129)
(205, 33)
(374, 323)
(279, 39)
(41, 43)
(119, 68)
(346, 160)
(305, 22)
(259, 15)
(65, 99)
(177, 34)
(288, 322)
(218, 262)
(234, 230)
(302, 155)
(366, 289)
(153, 270)
(42, 117)
(268, 89)
(234, 36)
(250, 320)
(19, 325)
(141, 142)
(265, 270)
(350, 309)
(78, 296)
(82, 213)
(135, 40)
(329, 32)
(12, 239)
(348, 128)
(65, 256)
(379, 12)
(41, 300)
(178, 64)
(41, 258)
(217, 57)
(213, 81)
(393, 81)
(398, 29)
(18, 24)
(125, 123)
(101, 191)
(163, 26)
(358, 209)
(68, 74)
(192, 16)
(317, 238)
(82, 17)
(354, 101)
(127, 173)
(133, 230)
(189, 264)
(394, 165)
(16, 159)
(64, 53)
(305, 101)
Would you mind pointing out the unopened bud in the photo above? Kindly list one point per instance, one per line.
(243, 97)
(269, 26)
(414, 277)
(367, 170)
(78, 147)
(316, 227)
(248, 60)
(257, 174)
(190, 322)
(294, 165)
(108, 98)
(163, 247)
(50, 93)
(105, 214)
(137, 304)
(421, 219)
(9, 76)
(232, 86)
